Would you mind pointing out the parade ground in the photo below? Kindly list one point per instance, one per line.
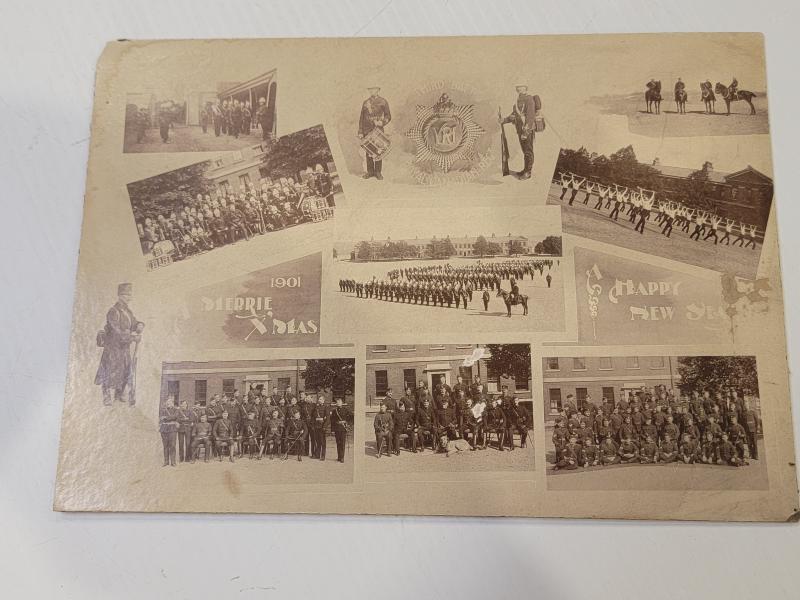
(583, 221)
(189, 138)
(354, 315)
(491, 459)
(694, 122)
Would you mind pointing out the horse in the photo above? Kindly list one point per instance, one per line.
(680, 100)
(708, 97)
(725, 92)
(653, 97)
(521, 299)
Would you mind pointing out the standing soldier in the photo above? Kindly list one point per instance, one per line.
(204, 117)
(524, 114)
(340, 417)
(186, 420)
(383, 425)
(375, 114)
(320, 416)
(168, 427)
(265, 119)
(117, 364)
(164, 120)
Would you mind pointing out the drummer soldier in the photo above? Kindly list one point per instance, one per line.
(375, 114)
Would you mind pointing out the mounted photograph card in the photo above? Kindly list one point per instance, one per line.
(408, 282)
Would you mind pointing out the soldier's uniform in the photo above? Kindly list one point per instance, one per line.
(168, 427)
(384, 427)
(223, 437)
(628, 451)
(320, 416)
(201, 436)
(689, 451)
(523, 115)
(426, 420)
(340, 417)
(121, 330)
(404, 425)
(295, 437)
(186, 420)
(590, 454)
(273, 435)
(570, 455)
(750, 421)
(609, 452)
(375, 114)
(251, 429)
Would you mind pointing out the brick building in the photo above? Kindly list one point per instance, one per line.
(402, 366)
(196, 382)
(600, 377)
(462, 246)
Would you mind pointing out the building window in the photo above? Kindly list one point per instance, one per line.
(466, 373)
(224, 187)
(522, 383)
(605, 363)
(578, 364)
(632, 362)
(555, 399)
(228, 385)
(244, 179)
(380, 349)
(408, 348)
(552, 363)
(174, 389)
(218, 162)
(237, 156)
(264, 172)
(657, 362)
(200, 392)
(580, 396)
(438, 347)
(409, 379)
(284, 383)
(381, 383)
(492, 380)
(608, 394)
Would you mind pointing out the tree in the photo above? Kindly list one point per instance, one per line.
(510, 360)
(165, 193)
(695, 186)
(480, 247)
(364, 251)
(294, 152)
(716, 373)
(330, 374)
(441, 248)
(549, 245)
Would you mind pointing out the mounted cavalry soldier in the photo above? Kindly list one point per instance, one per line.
(375, 114)
(118, 363)
(524, 116)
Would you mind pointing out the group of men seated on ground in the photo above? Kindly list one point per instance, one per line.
(640, 205)
(653, 426)
(446, 284)
(279, 425)
(213, 220)
(451, 419)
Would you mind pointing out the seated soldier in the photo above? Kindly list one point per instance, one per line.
(272, 434)
(496, 423)
(649, 430)
(669, 449)
(670, 429)
(628, 450)
(569, 455)
(223, 436)
(447, 423)
(727, 454)
(295, 435)
(560, 438)
(708, 452)
(426, 422)
(609, 452)
(689, 451)
(250, 434)
(201, 436)
(405, 428)
(627, 430)
(649, 451)
(590, 454)
(384, 428)
(470, 427)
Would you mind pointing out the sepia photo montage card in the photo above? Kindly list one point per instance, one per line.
(485, 276)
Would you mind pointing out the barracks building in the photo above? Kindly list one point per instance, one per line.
(463, 246)
(404, 366)
(745, 195)
(196, 382)
(602, 377)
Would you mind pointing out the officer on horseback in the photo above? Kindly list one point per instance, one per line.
(733, 88)
(514, 291)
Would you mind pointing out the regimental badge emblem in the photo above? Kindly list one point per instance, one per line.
(445, 133)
